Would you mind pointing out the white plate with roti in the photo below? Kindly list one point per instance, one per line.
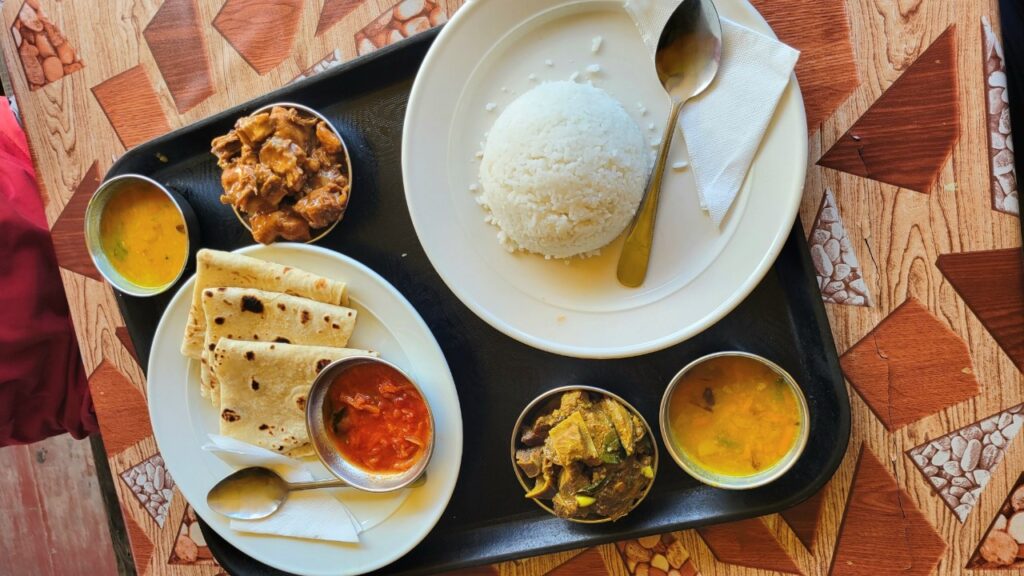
(183, 411)
(495, 51)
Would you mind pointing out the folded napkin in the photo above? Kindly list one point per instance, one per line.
(314, 514)
(724, 126)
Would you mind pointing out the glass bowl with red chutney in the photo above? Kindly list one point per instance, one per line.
(370, 424)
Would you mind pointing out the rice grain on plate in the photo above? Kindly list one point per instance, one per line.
(563, 171)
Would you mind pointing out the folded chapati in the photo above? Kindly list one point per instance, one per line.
(256, 315)
(264, 387)
(225, 269)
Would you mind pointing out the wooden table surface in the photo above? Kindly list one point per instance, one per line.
(911, 208)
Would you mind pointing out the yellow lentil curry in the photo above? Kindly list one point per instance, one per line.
(143, 235)
(734, 416)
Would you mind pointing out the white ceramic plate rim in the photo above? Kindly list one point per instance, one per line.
(428, 112)
(167, 398)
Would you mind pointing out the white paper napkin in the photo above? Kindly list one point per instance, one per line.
(314, 514)
(724, 126)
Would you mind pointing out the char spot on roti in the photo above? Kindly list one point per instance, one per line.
(230, 415)
(282, 340)
(305, 317)
(209, 293)
(281, 307)
(218, 320)
(252, 304)
(255, 385)
(264, 427)
(250, 356)
(322, 364)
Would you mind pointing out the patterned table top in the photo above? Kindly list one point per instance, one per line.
(911, 207)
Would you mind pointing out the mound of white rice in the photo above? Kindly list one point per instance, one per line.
(563, 170)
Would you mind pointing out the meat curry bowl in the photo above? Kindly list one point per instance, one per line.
(584, 454)
(286, 172)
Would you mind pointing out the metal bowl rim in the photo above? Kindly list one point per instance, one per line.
(344, 147)
(561, 389)
(320, 387)
(784, 465)
(92, 244)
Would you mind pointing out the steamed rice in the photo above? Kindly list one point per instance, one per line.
(563, 170)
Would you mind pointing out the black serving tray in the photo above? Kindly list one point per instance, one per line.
(488, 519)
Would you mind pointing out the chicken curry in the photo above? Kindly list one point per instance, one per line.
(588, 454)
(285, 171)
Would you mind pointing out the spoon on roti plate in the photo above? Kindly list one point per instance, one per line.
(687, 58)
(256, 492)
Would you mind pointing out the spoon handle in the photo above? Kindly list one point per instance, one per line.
(338, 483)
(295, 486)
(636, 252)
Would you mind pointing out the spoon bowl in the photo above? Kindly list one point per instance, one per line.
(257, 492)
(689, 52)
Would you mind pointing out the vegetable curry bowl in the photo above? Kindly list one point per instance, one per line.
(139, 234)
(734, 420)
(584, 454)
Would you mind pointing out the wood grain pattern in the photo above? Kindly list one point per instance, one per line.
(906, 136)
(262, 31)
(903, 378)
(50, 502)
(898, 234)
(820, 30)
(118, 401)
(747, 543)
(804, 519)
(991, 282)
(175, 38)
(68, 231)
(883, 532)
(132, 106)
(126, 340)
(333, 12)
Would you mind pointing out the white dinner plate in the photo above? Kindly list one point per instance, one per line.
(494, 50)
(387, 323)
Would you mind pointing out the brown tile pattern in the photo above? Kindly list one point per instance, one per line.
(991, 283)
(960, 464)
(656, 556)
(904, 377)
(132, 106)
(804, 519)
(1002, 547)
(906, 136)
(176, 40)
(1005, 195)
(334, 11)
(820, 30)
(748, 543)
(126, 340)
(261, 31)
(68, 230)
(152, 485)
(835, 261)
(190, 545)
(883, 532)
(46, 55)
(407, 18)
(117, 400)
(589, 562)
(142, 545)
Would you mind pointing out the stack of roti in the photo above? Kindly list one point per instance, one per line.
(262, 332)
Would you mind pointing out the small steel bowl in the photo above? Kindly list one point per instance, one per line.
(347, 164)
(94, 212)
(317, 425)
(735, 482)
(540, 402)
